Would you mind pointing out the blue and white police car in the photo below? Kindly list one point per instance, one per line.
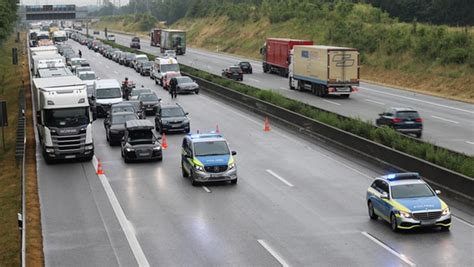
(406, 202)
(207, 158)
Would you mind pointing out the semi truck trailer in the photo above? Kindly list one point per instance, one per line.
(155, 37)
(173, 40)
(276, 54)
(324, 70)
(63, 118)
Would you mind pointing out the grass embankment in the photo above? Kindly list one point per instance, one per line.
(10, 182)
(457, 162)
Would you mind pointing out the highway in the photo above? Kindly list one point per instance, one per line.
(297, 203)
(447, 123)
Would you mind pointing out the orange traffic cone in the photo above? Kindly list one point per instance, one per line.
(164, 142)
(217, 128)
(99, 167)
(266, 125)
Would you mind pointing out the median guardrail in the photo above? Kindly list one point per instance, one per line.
(458, 185)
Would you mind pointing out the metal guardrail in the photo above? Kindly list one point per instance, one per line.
(458, 185)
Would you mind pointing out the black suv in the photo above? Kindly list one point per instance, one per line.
(115, 126)
(135, 43)
(139, 142)
(246, 67)
(171, 118)
(404, 120)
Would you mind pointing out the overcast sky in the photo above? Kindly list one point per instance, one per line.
(67, 2)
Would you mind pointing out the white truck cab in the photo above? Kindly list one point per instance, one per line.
(162, 67)
(107, 92)
(63, 118)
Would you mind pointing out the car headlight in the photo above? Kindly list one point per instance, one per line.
(49, 150)
(405, 214)
(231, 166)
(129, 149)
(199, 168)
(89, 147)
(445, 212)
(157, 148)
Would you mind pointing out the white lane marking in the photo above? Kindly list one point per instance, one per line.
(376, 102)
(462, 221)
(469, 142)
(280, 178)
(206, 189)
(124, 222)
(273, 253)
(443, 119)
(331, 102)
(244, 116)
(419, 100)
(389, 249)
(254, 80)
(116, 72)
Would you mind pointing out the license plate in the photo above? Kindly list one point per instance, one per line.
(70, 156)
(144, 154)
(214, 175)
(409, 122)
(431, 222)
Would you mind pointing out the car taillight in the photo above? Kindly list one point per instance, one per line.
(396, 120)
(419, 120)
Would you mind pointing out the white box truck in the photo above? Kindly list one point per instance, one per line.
(324, 70)
(63, 118)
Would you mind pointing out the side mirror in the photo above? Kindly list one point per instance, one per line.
(381, 114)
(234, 153)
(438, 192)
(159, 99)
(384, 195)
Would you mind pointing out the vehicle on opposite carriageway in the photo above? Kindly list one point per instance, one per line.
(406, 201)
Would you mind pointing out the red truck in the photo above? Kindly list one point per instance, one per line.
(276, 54)
(155, 37)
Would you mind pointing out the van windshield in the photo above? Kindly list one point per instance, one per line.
(169, 68)
(105, 93)
(211, 148)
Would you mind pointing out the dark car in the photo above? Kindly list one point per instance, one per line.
(186, 85)
(136, 92)
(404, 120)
(129, 59)
(135, 43)
(119, 108)
(144, 68)
(62, 47)
(96, 32)
(150, 102)
(138, 108)
(234, 73)
(140, 143)
(245, 67)
(123, 58)
(171, 118)
(115, 126)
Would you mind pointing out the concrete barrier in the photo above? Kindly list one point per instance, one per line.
(458, 185)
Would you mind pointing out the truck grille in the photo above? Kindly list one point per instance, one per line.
(69, 143)
(426, 216)
(216, 169)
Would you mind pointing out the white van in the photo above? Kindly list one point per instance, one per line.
(106, 93)
(163, 66)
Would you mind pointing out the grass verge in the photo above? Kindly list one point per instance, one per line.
(10, 182)
(457, 162)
